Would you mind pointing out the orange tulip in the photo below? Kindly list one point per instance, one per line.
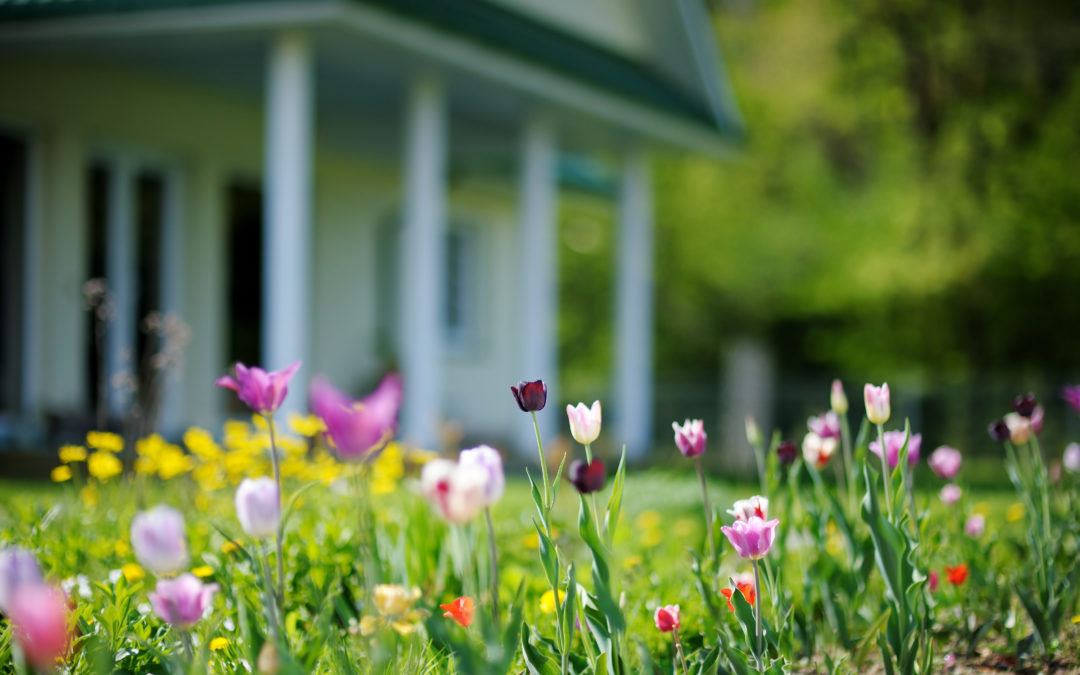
(957, 575)
(746, 587)
(460, 610)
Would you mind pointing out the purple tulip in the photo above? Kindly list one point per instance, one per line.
(18, 568)
(825, 425)
(999, 431)
(751, 538)
(261, 391)
(945, 462)
(181, 602)
(690, 437)
(258, 507)
(489, 460)
(975, 525)
(530, 396)
(787, 452)
(894, 440)
(157, 536)
(1071, 394)
(1024, 404)
(950, 494)
(876, 400)
(586, 478)
(358, 427)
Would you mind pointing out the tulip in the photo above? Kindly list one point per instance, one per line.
(357, 428)
(745, 509)
(894, 441)
(586, 477)
(1019, 428)
(752, 538)
(258, 507)
(1024, 404)
(690, 437)
(1071, 394)
(39, 617)
(932, 581)
(460, 610)
(786, 452)
(956, 575)
(18, 568)
(489, 461)
(753, 433)
(584, 422)
(945, 462)
(745, 585)
(826, 425)
(261, 391)
(876, 400)
(667, 618)
(181, 602)
(837, 399)
(1071, 458)
(530, 396)
(817, 450)
(457, 492)
(999, 431)
(975, 525)
(950, 494)
(157, 536)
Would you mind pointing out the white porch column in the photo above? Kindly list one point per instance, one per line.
(537, 278)
(172, 255)
(634, 306)
(287, 184)
(422, 262)
(121, 332)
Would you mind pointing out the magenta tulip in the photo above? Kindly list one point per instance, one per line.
(261, 391)
(667, 618)
(945, 462)
(357, 428)
(894, 441)
(39, 616)
(752, 538)
(1071, 394)
(690, 437)
(950, 494)
(181, 602)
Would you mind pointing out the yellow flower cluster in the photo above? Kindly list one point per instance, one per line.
(394, 604)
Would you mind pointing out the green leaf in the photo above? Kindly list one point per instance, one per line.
(537, 499)
(536, 661)
(548, 556)
(611, 517)
(569, 605)
(555, 485)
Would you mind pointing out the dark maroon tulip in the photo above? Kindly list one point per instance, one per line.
(586, 477)
(530, 396)
(1024, 405)
(999, 431)
(787, 452)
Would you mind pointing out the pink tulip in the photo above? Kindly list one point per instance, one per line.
(157, 536)
(894, 440)
(837, 398)
(1071, 458)
(933, 581)
(258, 507)
(745, 509)
(358, 427)
(950, 494)
(457, 492)
(1019, 428)
(667, 618)
(1071, 394)
(876, 400)
(489, 461)
(584, 422)
(826, 425)
(751, 538)
(975, 525)
(261, 391)
(181, 602)
(817, 450)
(690, 437)
(945, 462)
(18, 568)
(39, 615)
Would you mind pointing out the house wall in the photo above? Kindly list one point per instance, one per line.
(73, 109)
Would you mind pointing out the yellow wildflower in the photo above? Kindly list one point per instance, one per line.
(367, 625)
(648, 520)
(203, 571)
(89, 495)
(218, 643)
(172, 462)
(393, 600)
(121, 547)
(652, 537)
(133, 572)
(61, 473)
(633, 561)
(72, 453)
(105, 440)
(547, 601)
(104, 465)
(228, 547)
(306, 425)
(200, 443)
(1015, 512)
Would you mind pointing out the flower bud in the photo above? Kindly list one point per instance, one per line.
(876, 400)
(1071, 458)
(487, 459)
(950, 494)
(667, 618)
(975, 525)
(586, 478)
(530, 396)
(999, 431)
(945, 462)
(690, 437)
(787, 452)
(258, 507)
(584, 422)
(18, 568)
(838, 399)
(180, 602)
(1024, 404)
(753, 434)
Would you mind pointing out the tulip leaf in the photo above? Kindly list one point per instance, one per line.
(738, 661)
(705, 589)
(597, 624)
(548, 556)
(569, 604)
(536, 661)
(744, 612)
(708, 661)
(293, 499)
(537, 499)
(557, 482)
(614, 506)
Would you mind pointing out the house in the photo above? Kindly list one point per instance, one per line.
(358, 184)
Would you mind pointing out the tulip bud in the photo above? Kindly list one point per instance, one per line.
(999, 431)
(258, 507)
(1071, 458)
(667, 618)
(1024, 404)
(975, 525)
(753, 434)
(586, 478)
(690, 437)
(876, 400)
(181, 602)
(945, 462)
(584, 422)
(39, 617)
(157, 536)
(838, 399)
(1019, 428)
(744, 509)
(787, 452)
(530, 396)
(950, 494)
(262, 391)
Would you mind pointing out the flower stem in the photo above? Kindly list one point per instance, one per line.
(494, 561)
(849, 463)
(679, 650)
(189, 652)
(279, 535)
(271, 609)
(708, 511)
(885, 470)
(543, 462)
(757, 616)
(595, 510)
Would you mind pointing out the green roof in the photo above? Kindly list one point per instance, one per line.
(481, 22)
